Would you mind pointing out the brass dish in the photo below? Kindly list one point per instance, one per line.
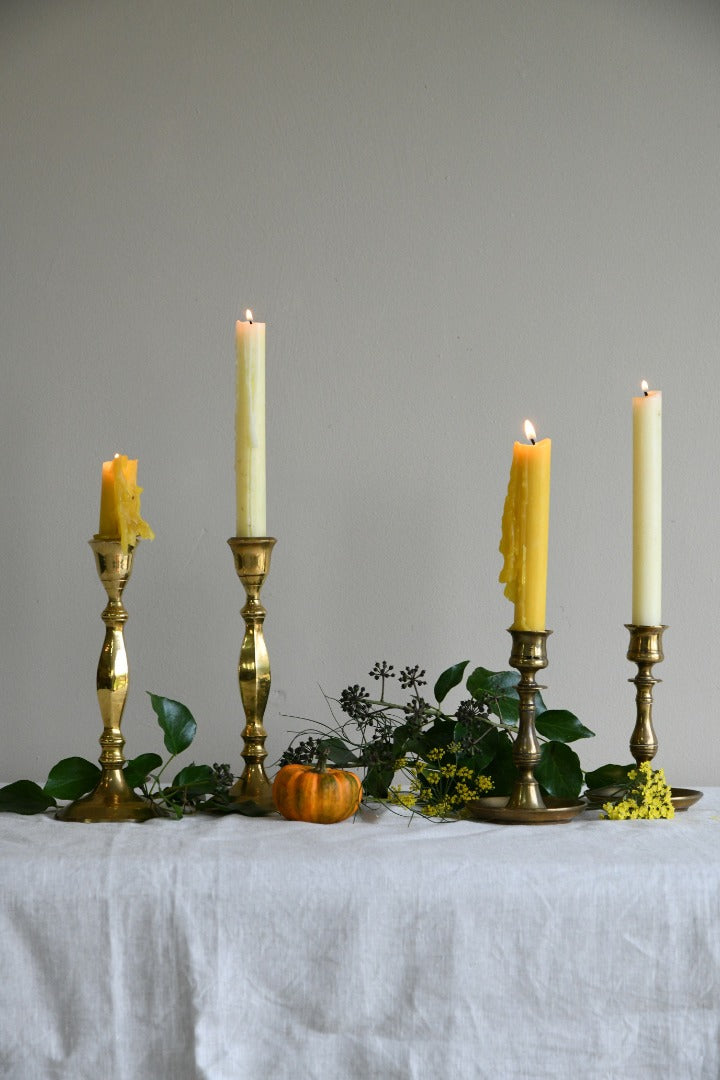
(681, 798)
(495, 808)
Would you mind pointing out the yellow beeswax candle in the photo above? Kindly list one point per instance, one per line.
(250, 427)
(120, 503)
(525, 524)
(647, 508)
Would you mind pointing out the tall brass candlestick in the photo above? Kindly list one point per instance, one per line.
(252, 564)
(526, 805)
(112, 799)
(645, 650)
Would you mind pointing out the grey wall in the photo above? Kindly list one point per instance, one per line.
(451, 215)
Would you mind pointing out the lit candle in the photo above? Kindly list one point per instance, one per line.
(647, 508)
(120, 517)
(525, 526)
(250, 427)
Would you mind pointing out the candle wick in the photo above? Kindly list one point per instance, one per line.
(532, 441)
(646, 392)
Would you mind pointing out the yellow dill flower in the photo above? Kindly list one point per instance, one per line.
(649, 798)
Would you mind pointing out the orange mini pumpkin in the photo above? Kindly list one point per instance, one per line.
(316, 793)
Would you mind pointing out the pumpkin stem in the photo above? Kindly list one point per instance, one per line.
(321, 757)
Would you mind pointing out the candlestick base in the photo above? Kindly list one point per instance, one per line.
(252, 793)
(526, 806)
(112, 799)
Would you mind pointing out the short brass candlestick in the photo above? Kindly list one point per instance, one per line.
(526, 805)
(528, 656)
(645, 650)
(112, 799)
(252, 564)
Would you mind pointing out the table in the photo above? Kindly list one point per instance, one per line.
(384, 947)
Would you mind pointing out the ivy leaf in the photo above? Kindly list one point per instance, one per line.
(558, 771)
(449, 680)
(494, 683)
(439, 735)
(176, 721)
(377, 781)
(24, 797)
(608, 776)
(139, 768)
(501, 769)
(562, 725)
(484, 748)
(71, 778)
(339, 753)
(199, 778)
(498, 689)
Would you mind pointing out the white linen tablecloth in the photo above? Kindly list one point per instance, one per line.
(238, 949)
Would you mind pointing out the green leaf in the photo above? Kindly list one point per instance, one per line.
(493, 683)
(559, 772)
(176, 721)
(199, 778)
(449, 680)
(339, 753)
(498, 689)
(501, 769)
(71, 778)
(562, 725)
(484, 749)
(377, 781)
(24, 797)
(440, 734)
(139, 768)
(608, 776)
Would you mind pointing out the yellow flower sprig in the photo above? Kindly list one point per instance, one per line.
(648, 798)
(439, 787)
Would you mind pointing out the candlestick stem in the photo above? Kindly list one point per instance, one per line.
(252, 564)
(112, 799)
(645, 650)
(528, 656)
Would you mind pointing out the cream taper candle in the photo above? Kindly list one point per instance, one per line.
(647, 508)
(250, 427)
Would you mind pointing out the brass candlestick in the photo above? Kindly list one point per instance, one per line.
(112, 799)
(252, 563)
(526, 805)
(645, 650)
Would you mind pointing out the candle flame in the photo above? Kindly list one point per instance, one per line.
(644, 387)
(248, 315)
(530, 432)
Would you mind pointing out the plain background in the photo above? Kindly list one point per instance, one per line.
(452, 214)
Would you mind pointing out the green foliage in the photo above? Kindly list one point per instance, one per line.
(195, 787)
(449, 680)
(439, 753)
(176, 721)
(25, 797)
(609, 776)
(71, 778)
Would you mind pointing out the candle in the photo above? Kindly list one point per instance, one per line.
(525, 524)
(120, 503)
(647, 508)
(250, 427)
